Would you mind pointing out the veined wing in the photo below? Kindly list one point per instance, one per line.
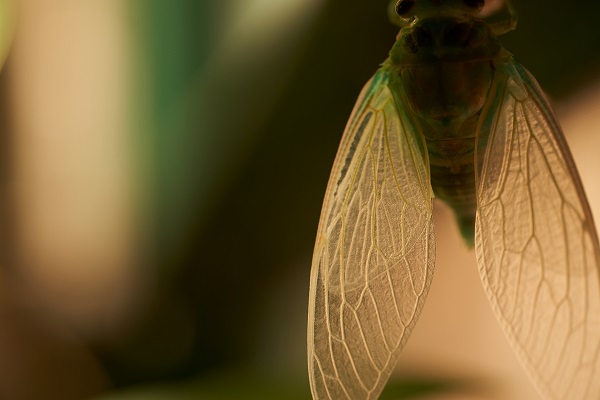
(374, 253)
(536, 243)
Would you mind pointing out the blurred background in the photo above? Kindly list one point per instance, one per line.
(162, 167)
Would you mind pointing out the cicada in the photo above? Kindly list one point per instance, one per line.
(451, 114)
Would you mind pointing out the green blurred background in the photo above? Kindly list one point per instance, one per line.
(228, 117)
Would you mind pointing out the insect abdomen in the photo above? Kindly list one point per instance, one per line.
(453, 179)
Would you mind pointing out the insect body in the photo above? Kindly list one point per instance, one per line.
(450, 112)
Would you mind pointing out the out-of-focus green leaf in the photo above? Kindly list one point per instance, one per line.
(211, 91)
(229, 386)
(250, 386)
(7, 27)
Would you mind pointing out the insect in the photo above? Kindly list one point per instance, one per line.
(450, 114)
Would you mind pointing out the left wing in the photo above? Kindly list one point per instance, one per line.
(536, 244)
(375, 250)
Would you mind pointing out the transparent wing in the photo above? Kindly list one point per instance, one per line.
(374, 253)
(536, 243)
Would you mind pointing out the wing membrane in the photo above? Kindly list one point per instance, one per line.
(536, 243)
(374, 253)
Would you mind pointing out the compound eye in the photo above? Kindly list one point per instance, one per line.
(474, 4)
(403, 7)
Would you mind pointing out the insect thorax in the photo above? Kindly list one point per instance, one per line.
(444, 68)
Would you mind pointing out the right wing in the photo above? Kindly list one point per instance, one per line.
(536, 243)
(374, 254)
